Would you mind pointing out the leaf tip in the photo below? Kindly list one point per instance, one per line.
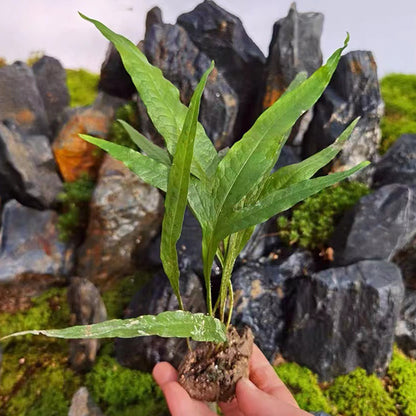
(347, 39)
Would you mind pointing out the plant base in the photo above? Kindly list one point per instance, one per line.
(210, 372)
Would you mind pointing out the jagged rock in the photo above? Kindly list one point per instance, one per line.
(398, 165)
(27, 168)
(114, 79)
(287, 157)
(153, 17)
(51, 82)
(345, 317)
(74, 156)
(406, 260)
(125, 214)
(86, 308)
(406, 325)
(295, 47)
(29, 245)
(353, 91)
(21, 101)
(144, 352)
(170, 48)
(260, 291)
(378, 227)
(222, 37)
(82, 404)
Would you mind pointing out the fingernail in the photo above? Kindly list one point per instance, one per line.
(247, 383)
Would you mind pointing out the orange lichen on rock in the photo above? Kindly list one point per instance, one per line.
(75, 156)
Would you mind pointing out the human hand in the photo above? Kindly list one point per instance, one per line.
(263, 395)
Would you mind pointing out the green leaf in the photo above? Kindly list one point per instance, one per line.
(177, 192)
(147, 169)
(181, 324)
(143, 143)
(301, 171)
(282, 199)
(161, 99)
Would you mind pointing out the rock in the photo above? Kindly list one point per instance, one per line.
(398, 165)
(406, 260)
(353, 91)
(260, 291)
(169, 48)
(320, 414)
(21, 101)
(295, 47)
(287, 157)
(153, 17)
(222, 37)
(125, 214)
(143, 353)
(86, 308)
(51, 82)
(82, 404)
(27, 168)
(345, 317)
(378, 227)
(29, 245)
(114, 79)
(74, 156)
(406, 325)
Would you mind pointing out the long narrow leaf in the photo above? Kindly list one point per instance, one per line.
(147, 169)
(177, 192)
(301, 171)
(162, 102)
(181, 324)
(144, 144)
(281, 200)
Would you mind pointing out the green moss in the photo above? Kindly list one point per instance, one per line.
(399, 95)
(34, 56)
(35, 379)
(82, 86)
(117, 133)
(118, 297)
(121, 391)
(402, 375)
(359, 394)
(312, 222)
(304, 386)
(75, 199)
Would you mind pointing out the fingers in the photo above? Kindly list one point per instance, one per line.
(231, 408)
(178, 400)
(254, 402)
(265, 378)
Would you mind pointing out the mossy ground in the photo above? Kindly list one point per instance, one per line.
(399, 95)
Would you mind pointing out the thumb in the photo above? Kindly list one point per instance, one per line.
(254, 402)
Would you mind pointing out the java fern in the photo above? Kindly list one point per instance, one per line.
(228, 194)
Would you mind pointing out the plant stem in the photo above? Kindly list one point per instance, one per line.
(230, 312)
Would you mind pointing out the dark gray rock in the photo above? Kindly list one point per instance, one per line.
(144, 352)
(320, 414)
(260, 291)
(27, 168)
(406, 260)
(51, 82)
(222, 37)
(353, 91)
(288, 156)
(125, 214)
(21, 101)
(378, 227)
(82, 404)
(295, 47)
(169, 48)
(86, 308)
(406, 325)
(29, 245)
(345, 317)
(398, 165)
(114, 79)
(153, 17)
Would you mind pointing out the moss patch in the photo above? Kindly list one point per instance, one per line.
(402, 379)
(304, 386)
(313, 221)
(399, 95)
(359, 394)
(74, 198)
(82, 86)
(117, 133)
(121, 391)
